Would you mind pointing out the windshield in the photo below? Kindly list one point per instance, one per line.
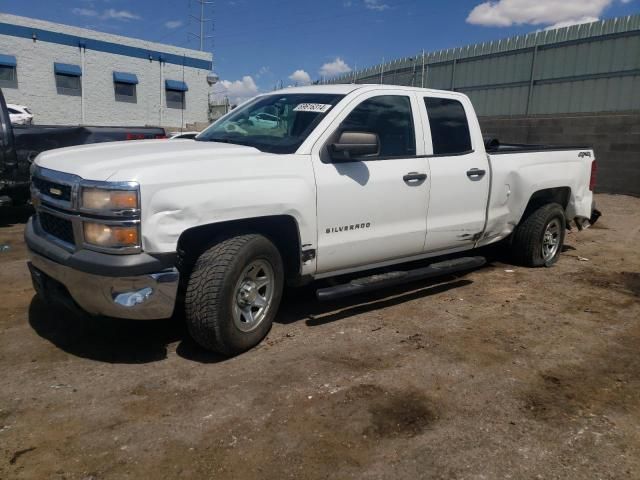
(272, 123)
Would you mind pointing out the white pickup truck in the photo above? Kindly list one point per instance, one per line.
(352, 178)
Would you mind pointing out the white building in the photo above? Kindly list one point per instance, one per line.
(68, 75)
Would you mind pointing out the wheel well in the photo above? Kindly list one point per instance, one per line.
(558, 195)
(282, 230)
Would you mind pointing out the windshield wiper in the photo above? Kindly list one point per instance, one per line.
(218, 140)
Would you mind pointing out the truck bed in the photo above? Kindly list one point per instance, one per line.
(495, 147)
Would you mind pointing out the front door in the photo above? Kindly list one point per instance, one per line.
(373, 209)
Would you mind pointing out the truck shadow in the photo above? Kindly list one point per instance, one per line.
(301, 304)
(104, 339)
(135, 342)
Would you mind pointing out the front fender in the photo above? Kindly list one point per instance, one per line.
(171, 210)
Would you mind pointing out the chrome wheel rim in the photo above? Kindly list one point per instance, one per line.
(551, 239)
(253, 295)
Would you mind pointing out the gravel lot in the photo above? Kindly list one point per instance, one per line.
(501, 373)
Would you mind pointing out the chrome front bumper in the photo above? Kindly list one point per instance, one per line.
(141, 297)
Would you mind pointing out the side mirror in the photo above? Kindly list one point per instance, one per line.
(353, 145)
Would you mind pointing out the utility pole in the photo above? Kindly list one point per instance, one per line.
(202, 20)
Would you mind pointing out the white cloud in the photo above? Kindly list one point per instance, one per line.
(173, 24)
(123, 15)
(239, 90)
(376, 5)
(504, 13)
(84, 12)
(334, 68)
(300, 77)
(263, 71)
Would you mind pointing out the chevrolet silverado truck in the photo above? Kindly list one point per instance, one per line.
(19, 146)
(353, 179)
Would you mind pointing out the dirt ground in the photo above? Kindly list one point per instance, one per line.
(505, 372)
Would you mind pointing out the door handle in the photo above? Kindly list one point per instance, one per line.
(414, 178)
(476, 173)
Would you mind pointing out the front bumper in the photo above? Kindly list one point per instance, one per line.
(133, 294)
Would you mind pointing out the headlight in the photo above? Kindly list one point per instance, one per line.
(111, 236)
(104, 199)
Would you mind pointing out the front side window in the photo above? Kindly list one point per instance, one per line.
(272, 123)
(388, 116)
(449, 126)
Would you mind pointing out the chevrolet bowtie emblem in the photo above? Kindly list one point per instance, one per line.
(55, 191)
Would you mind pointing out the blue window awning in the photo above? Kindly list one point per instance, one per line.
(124, 77)
(7, 60)
(176, 85)
(67, 69)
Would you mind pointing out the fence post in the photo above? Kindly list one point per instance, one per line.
(531, 79)
(453, 75)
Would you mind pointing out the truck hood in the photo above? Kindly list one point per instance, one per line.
(104, 160)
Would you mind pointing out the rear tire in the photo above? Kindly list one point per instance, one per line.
(233, 294)
(539, 238)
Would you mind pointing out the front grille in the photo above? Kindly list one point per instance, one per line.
(57, 227)
(58, 191)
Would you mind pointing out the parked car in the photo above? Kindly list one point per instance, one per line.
(363, 177)
(19, 145)
(19, 114)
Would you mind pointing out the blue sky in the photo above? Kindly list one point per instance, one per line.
(258, 43)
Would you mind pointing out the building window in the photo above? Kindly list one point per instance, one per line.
(68, 78)
(8, 77)
(124, 86)
(175, 92)
(7, 74)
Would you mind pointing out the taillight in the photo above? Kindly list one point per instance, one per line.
(135, 136)
(592, 180)
(160, 137)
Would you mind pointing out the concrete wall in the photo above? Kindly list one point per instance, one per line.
(36, 87)
(614, 137)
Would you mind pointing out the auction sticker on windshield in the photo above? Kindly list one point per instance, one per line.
(312, 107)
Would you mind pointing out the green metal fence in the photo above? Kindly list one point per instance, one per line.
(593, 67)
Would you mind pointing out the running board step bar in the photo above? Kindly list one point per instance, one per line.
(390, 279)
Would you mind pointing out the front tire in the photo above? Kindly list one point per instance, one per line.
(539, 238)
(233, 294)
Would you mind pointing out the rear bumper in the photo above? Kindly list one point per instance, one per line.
(137, 292)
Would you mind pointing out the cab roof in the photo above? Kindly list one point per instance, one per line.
(345, 89)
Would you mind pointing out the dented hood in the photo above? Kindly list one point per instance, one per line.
(103, 161)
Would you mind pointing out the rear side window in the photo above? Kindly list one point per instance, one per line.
(391, 118)
(449, 126)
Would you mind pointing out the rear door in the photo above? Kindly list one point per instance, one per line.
(373, 210)
(460, 173)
